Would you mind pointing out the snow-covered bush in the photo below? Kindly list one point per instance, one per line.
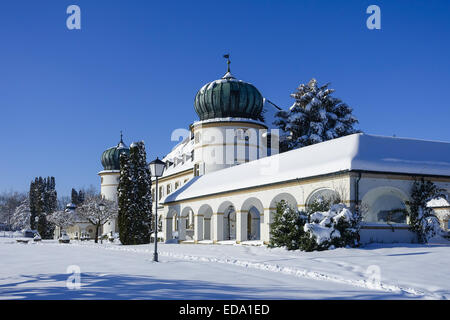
(338, 227)
(293, 229)
(422, 221)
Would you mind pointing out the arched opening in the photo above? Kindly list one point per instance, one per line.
(322, 200)
(384, 205)
(255, 218)
(205, 228)
(184, 225)
(229, 223)
(253, 224)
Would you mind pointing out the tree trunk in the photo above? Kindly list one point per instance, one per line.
(96, 233)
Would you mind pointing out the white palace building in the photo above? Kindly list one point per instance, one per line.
(223, 181)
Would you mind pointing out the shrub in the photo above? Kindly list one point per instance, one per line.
(422, 221)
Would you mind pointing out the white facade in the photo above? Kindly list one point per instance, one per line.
(108, 189)
(374, 173)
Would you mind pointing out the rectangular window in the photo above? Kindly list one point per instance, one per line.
(269, 145)
(247, 148)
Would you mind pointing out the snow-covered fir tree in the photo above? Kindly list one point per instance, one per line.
(135, 201)
(43, 202)
(315, 116)
(421, 218)
(287, 227)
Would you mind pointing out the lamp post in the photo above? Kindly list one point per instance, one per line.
(156, 170)
(101, 207)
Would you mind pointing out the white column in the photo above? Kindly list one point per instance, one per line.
(182, 228)
(167, 228)
(241, 226)
(217, 221)
(198, 227)
(265, 226)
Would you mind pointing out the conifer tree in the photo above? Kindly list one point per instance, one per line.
(125, 200)
(43, 202)
(422, 221)
(314, 117)
(286, 230)
(135, 202)
(143, 213)
(74, 197)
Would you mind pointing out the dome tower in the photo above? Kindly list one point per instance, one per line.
(230, 128)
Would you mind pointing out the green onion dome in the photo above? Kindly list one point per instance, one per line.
(228, 97)
(111, 157)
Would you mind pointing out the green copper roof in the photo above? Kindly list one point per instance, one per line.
(111, 157)
(228, 97)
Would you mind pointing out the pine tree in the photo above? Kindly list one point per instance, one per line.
(314, 117)
(286, 230)
(422, 221)
(143, 214)
(135, 202)
(43, 202)
(81, 197)
(74, 197)
(125, 200)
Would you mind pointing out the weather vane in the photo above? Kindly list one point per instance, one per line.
(227, 56)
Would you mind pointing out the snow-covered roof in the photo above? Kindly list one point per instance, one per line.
(182, 151)
(354, 152)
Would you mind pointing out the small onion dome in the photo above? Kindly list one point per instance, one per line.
(228, 97)
(111, 157)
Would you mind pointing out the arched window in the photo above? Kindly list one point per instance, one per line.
(384, 205)
(247, 148)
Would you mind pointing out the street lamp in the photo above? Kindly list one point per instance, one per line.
(156, 170)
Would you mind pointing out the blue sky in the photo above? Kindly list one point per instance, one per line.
(137, 65)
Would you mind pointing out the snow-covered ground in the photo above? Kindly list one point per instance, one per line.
(187, 271)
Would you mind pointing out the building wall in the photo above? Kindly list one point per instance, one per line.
(261, 200)
(212, 211)
(108, 189)
(219, 145)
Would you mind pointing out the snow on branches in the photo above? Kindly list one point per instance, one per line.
(314, 117)
(293, 229)
(422, 220)
(97, 211)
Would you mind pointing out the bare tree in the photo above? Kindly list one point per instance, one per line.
(62, 218)
(9, 201)
(21, 216)
(97, 211)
